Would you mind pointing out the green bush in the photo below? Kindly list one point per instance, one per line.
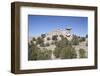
(75, 40)
(47, 44)
(86, 36)
(52, 43)
(43, 35)
(62, 43)
(86, 43)
(54, 37)
(57, 51)
(34, 53)
(48, 38)
(61, 35)
(31, 42)
(82, 39)
(65, 52)
(42, 45)
(44, 54)
(82, 53)
(34, 39)
(39, 40)
(68, 53)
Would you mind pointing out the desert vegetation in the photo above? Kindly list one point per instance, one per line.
(36, 53)
(82, 53)
(65, 52)
(64, 48)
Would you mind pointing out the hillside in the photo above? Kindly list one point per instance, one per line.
(57, 44)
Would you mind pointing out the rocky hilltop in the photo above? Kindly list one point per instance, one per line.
(58, 33)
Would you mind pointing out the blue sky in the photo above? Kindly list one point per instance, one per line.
(39, 24)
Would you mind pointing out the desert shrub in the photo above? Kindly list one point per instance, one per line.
(62, 43)
(68, 53)
(44, 54)
(54, 37)
(82, 53)
(65, 52)
(64, 47)
(69, 43)
(75, 40)
(47, 44)
(42, 45)
(52, 43)
(29, 45)
(55, 42)
(48, 38)
(31, 42)
(57, 51)
(39, 40)
(82, 39)
(79, 37)
(34, 39)
(62, 37)
(86, 36)
(86, 43)
(43, 35)
(32, 52)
